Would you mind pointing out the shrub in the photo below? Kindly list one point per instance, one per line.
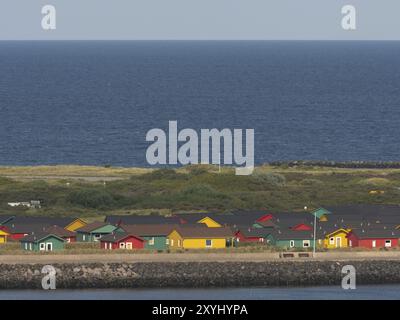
(91, 198)
(273, 179)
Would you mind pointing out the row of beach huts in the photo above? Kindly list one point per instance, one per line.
(366, 226)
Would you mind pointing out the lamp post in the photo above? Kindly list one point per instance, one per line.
(315, 232)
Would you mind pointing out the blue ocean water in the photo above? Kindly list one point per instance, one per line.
(371, 292)
(93, 102)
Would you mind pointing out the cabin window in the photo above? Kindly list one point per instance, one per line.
(179, 243)
(97, 237)
(26, 246)
(122, 245)
(388, 243)
(332, 240)
(110, 245)
(68, 240)
(306, 243)
(172, 242)
(151, 241)
(42, 246)
(291, 243)
(167, 241)
(84, 238)
(30, 246)
(208, 243)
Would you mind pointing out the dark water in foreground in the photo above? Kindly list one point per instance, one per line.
(93, 102)
(391, 292)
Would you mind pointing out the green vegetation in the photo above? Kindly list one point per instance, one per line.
(89, 191)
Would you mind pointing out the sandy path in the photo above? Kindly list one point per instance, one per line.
(189, 257)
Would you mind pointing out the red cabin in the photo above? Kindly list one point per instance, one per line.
(121, 241)
(372, 239)
(302, 227)
(252, 235)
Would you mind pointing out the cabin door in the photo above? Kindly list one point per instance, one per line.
(338, 242)
(49, 246)
(128, 245)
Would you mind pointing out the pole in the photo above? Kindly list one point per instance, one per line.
(315, 231)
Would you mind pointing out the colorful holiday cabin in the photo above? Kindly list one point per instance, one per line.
(17, 232)
(374, 238)
(64, 222)
(209, 222)
(337, 239)
(201, 238)
(121, 240)
(241, 218)
(3, 236)
(42, 242)
(302, 227)
(92, 232)
(265, 224)
(292, 239)
(321, 213)
(67, 235)
(206, 218)
(155, 236)
(75, 224)
(258, 235)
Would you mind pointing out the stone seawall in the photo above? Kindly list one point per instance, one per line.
(198, 274)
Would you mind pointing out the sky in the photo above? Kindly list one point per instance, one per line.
(199, 20)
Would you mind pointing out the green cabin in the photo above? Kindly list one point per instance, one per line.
(42, 242)
(292, 239)
(320, 212)
(155, 236)
(93, 232)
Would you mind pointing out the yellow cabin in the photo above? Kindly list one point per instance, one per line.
(200, 238)
(3, 236)
(210, 223)
(76, 224)
(337, 239)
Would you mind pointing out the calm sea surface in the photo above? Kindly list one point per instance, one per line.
(93, 102)
(391, 292)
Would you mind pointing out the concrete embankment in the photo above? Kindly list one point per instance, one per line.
(199, 274)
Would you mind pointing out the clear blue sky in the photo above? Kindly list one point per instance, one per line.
(200, 19)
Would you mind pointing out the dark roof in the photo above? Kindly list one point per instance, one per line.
(288, 234)
(251, 214)
(118, 236)
(5, 218)
(267, 224)
(59, 231)
(25, 228)
(140, 219)
(149, 230)
(235, 220)
(383, 232)
(92, 226)
(192, 217)
(195, 232)
(36, 237)
(366, 210)
(62, 222)
(255, 232)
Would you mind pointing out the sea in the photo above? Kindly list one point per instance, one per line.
(92, 102)
(370, 292)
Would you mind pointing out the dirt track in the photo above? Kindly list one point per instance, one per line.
(190, 257)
